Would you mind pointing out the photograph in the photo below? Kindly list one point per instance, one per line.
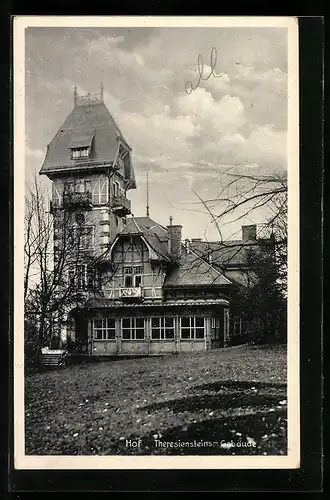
(156, 185)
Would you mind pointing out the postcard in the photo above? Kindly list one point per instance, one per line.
(156, 235)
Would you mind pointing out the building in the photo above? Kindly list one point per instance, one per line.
(155, 294)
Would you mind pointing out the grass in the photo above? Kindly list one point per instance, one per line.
(234, 395)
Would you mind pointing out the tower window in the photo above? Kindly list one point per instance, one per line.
(82, 239)
(100, 191)
(116, 189)
(83, 277)
(81, 145)
(80, 153)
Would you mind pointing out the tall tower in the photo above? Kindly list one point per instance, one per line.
(89, 164)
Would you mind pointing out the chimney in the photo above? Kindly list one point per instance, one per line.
(174, 239)
(249, 232)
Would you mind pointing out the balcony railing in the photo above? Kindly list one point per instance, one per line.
(121, 205)
(131, 292)
(71, 201)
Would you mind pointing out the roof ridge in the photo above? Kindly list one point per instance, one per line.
(131, 221)
(114, 121)
(145, 237)
(210, 265)
(138, 227)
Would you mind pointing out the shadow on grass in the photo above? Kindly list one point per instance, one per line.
(227, 395)
(214, 402)
(237, 386)
(266, 432)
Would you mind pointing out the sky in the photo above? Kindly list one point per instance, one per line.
(185, 141)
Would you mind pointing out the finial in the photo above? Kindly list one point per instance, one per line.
(171, 220)
(147, 207)
(101, 93)
(75, 95)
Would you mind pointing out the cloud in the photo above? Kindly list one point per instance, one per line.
(37, 154)
(159, 139)
(274, 76)
(263, 146)
(240, 118)
(212, 117)
(103, 43)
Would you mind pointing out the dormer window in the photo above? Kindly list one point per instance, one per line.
(132, 276)
(80, 153)
(81, 145)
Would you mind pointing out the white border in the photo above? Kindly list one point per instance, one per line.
(292, 460)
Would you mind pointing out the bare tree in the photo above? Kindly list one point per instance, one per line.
(261, 261)
(262, 198)
(61, 266)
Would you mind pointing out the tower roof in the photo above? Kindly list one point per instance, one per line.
(89, 124)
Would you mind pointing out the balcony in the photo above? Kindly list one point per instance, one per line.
(121, 205)
(72, 201)
(131, 293)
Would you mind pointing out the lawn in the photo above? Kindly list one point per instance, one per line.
(226, 397)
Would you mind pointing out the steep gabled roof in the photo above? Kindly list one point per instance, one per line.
(191, 270)
(131, 228)
(230, 253)
(154, 235)
(86, 121)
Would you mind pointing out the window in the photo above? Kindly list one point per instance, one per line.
(99, 191)
(83, 238)
(117, 188)
(192, 327)
(132, 276)
(237, 325)
(78, 276)
(80, 153)
(133, 328)
(56, 195)
(69, 187)
(104, 329)
(88, 186)
(82, 277)
(80, 186)
(123, 152)
(120, 162)
(162, 328)
(71, 276)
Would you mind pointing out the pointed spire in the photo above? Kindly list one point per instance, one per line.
(75, 95)
(102, 92)
(147, 207)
